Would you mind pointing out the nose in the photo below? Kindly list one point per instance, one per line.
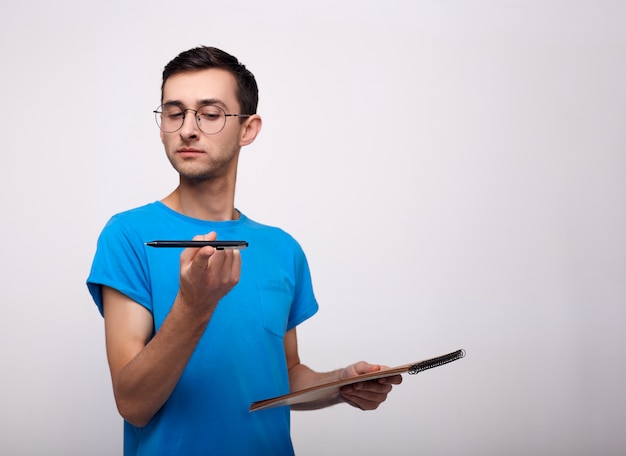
(190, 128)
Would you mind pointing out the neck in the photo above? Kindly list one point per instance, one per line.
(206, 200)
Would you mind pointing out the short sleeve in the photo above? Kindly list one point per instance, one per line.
(305, 303)
(120, 263)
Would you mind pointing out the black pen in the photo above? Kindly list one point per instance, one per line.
(219, 245)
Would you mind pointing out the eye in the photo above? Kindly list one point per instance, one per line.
(210, 114)
(172, 113)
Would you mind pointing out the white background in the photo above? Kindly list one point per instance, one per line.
(455, 171)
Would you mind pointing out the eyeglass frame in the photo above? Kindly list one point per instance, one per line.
(195, 111)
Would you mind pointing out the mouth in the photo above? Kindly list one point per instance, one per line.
(188, 152)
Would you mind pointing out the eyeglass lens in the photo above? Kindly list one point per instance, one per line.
(210, 119)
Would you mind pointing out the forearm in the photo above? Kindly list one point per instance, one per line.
(365, 395)
(144, 383)
(146, 367)
(302, 377)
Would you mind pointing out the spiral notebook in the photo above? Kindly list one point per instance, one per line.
(325, 389)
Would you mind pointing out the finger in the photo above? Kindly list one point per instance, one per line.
(231, 266)
(363, 367)
(374, 387)
(235, 269)
(364, 401)
(189, 254)
(369, 390)
(360, 404)
(224, 266)
(393, 380)
(203, 256)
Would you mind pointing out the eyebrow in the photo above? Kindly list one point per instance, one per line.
(205, 102)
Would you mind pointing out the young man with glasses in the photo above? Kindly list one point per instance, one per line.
(194, 336)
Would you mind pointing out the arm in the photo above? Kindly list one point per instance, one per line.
(365, 395)
(145, 369)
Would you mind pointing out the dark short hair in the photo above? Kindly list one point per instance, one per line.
(204, 57)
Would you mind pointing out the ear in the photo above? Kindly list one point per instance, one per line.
(250, 129)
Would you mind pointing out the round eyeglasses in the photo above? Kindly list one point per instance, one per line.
(210, 119)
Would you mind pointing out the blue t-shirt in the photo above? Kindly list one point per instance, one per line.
(240, 358)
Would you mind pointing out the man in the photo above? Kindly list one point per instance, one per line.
(193, 338)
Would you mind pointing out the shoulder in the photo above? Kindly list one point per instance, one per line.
(128, 226)
(138, 218)
(270, 233)
(154, 209)
(274, 244)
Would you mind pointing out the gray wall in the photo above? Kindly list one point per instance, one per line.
(455, 170)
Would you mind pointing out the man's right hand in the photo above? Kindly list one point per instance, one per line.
(207, 274)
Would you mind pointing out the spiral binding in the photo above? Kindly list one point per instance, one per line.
(434, 362)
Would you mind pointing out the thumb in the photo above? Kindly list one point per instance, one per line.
(199, 255)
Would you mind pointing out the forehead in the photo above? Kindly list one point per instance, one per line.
(192, 88)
